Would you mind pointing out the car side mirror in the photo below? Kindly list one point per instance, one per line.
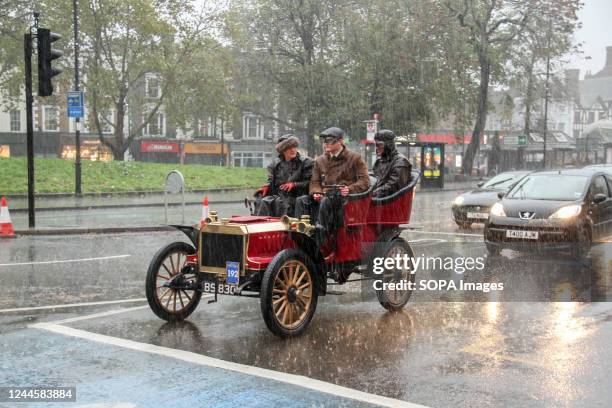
(599, 198)
(480, 184)
(501, 194)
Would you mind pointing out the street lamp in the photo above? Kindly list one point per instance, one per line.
(77, 120)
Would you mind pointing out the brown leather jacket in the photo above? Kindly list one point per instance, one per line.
(348, 169)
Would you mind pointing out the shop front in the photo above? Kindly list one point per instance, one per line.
(205, 153)
(90, 150)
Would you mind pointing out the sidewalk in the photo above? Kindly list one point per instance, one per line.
(60, 202)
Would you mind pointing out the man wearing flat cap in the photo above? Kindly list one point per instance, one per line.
(392, 169)
(288, 178)
(340, 169)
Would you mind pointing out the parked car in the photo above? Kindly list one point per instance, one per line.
(473, 206)
(562, 210)
(601, 167)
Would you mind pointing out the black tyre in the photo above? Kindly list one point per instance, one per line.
(168, 303)
(288, 298)
(583, 244)
(464, 224)
(493, 250)
(396, 299)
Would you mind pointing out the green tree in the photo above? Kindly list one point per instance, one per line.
(490, 26)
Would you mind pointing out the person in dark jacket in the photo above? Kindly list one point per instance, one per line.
(392, 169)
(288, 177)
(341, 168)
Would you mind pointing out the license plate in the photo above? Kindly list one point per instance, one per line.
(233, 272)
(522, 234)
(209, 287)
(478, 215)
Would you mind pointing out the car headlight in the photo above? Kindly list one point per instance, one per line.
(498, 210)
(459, 200)
(567, 212)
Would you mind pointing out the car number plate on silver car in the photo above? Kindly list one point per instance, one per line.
(522, 234)
(478, 215)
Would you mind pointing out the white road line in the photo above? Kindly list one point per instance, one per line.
(447, 233)
(101, 314)
(194, 358)
(67, 260)
(70, 305)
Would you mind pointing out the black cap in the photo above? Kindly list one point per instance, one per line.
(385, 135)
(334, 132)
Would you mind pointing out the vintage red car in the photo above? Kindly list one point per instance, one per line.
(277, 261)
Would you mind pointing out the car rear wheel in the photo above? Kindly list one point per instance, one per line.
(167, 282)
(395, 299)
(288, 298)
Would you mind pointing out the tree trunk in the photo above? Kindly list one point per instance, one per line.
(481, 118)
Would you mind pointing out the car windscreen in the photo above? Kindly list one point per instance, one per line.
(559, 187)
(502, 181)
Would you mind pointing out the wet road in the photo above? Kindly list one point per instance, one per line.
(542, 341)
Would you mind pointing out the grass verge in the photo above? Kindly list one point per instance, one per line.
(57, 176)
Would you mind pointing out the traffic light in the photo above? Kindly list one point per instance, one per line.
(46, 55)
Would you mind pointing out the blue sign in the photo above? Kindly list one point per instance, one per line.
(75, 104)
(232, 269)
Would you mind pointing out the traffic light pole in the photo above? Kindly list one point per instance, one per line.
(77, 120)
(27, 47)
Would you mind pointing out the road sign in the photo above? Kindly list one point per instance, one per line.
(75, 104)
(371, 128)
(522, 140)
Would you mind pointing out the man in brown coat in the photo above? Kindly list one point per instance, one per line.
(338, 170)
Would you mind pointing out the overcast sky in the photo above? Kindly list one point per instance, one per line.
(596, 34)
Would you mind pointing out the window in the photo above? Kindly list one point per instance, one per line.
(248, 159)
(599, 186)
(152, 87)
(155, 127)
(15, 116)
(591, 117)
(50, 119)
(577, 117)
(251, 128)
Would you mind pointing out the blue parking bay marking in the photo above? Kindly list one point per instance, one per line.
(112, 370)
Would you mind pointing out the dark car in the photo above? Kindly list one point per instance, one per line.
(474, 205)
(563, 210)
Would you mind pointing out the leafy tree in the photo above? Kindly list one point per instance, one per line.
(490, 28)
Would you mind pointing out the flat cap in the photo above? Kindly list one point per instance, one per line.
(334, 132)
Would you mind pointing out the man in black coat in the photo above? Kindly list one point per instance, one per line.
(288, 177)
(392, 169)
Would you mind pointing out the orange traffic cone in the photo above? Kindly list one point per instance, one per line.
(6, 225)
(204, 212)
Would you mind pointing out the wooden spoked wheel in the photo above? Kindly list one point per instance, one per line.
(288, 296)
(166, 270)
(292, 294)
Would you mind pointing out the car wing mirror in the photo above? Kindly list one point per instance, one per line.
(480, 184)
(501, 194)
(599, 198)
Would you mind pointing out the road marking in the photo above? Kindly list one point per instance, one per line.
(194, 358)
(101, 314)
(70, 305)
(110, 312)
(66, 260)
(448, 233)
